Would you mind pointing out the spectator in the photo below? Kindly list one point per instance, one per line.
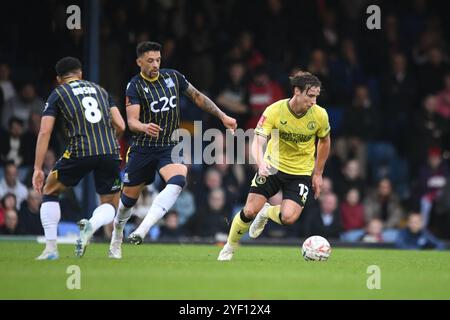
(49, 164)
(374, 232)
(346, 72)
(144, 203)
(249, 167)
(399, 93)
(327, 186)
(334, 166)
(384, 204)
(29, 217)
(416, 237)
(170, 229)
(212, 180)
(351, 179)
(432, 73)
(318, 65)
(427, 40)
(263, 91)
(399, 89)
(326, 222)
(11, 184)
(250, 55)
(184, 206)
(23, 105)
(8, 202)
(232, 180)
(359, 125)
(352, 211)
(12, 145)
(433, 177)
(29, 139)
(211, 220)
(6, 83)
(273, 35)
(233, 97)
(440, 220)
(443, 99)
(170, 52)
(430, 130)
(2, 101)
(329, 35)
(11, 222)
(201, 68)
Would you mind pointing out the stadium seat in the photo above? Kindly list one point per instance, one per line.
(129, 228)
(68, 229)
(384, 162)
(390, 235)
(154, 232)
(374, 90)
(381, 157)
(352, 235)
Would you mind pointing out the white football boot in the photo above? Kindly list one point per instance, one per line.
(115, 248)
(226, 254)
(48, 255)
(257, 226)
(85, 237)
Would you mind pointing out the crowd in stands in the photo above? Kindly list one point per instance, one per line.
(387, 93)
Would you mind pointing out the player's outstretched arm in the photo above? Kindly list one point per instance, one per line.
(45, 133)
(204, 103)
(323, 150)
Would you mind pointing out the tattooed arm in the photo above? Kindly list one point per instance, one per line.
(204, 103)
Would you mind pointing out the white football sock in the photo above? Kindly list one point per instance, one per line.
(162, 203)
(102, 215)
(123, 215)
(50, 215)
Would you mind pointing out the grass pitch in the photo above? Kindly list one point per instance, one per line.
(153, 271)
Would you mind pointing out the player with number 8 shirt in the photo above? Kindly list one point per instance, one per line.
(93, 123)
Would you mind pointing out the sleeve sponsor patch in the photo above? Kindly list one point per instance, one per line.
(261, 121)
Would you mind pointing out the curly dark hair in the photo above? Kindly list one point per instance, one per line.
(143, 47)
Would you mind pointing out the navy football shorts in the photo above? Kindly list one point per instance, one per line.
(106, 169)
(143, 162)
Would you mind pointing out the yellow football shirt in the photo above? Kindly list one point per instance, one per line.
(291, 147)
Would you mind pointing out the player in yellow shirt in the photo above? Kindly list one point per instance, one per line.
(291, 127)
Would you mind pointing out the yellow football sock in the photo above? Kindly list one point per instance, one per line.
(274, 214)
(237, 230)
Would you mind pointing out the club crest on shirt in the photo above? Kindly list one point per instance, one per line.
(312, 125)
(169, 82)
